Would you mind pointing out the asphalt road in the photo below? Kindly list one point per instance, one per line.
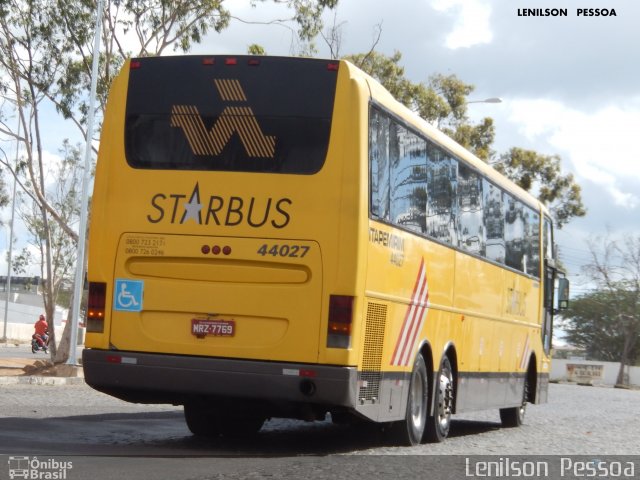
(121, 440)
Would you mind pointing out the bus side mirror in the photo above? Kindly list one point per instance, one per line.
(563, 294)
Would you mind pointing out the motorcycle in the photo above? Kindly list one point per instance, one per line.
(35, 344)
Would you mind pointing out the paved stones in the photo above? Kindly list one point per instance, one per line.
(578, 421)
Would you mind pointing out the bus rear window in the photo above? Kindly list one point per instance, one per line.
(241, 114)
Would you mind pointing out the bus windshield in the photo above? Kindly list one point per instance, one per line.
(241, 114)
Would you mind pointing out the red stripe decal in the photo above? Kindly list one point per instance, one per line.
(413, 320)
(418, 311)
(421, 316)
(525, 354)
(406, 317)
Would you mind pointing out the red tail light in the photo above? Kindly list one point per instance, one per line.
(96, 307)
(340, 321)
(231, 61)
(134, 65)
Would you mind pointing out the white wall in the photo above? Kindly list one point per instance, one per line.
(21, 313)
(559, 371)
(22, 332)
(21, 318)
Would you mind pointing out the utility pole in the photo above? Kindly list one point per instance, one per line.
(82, 233)
(10, 250)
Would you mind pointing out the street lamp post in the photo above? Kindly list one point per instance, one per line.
(7, 285)
(487, 100)
(82, 232)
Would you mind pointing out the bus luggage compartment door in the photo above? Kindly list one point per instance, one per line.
(217, 296)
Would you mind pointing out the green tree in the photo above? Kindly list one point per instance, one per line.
(49, 246)
(542, 176)
(31, 48)
(27, 32)
(596, 322)
(443, 101)
(615, 320)
(255, 49)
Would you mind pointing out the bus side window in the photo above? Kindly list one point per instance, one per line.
(549, 281)
(379, 164)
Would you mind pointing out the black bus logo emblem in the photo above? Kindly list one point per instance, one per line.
(234, 119)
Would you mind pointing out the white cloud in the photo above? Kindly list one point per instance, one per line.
(602, 146)
(471, 26)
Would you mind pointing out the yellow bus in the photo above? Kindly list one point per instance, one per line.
(279, 237)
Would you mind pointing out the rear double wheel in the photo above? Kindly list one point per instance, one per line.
(514, 416)
(439, 423)
(410, 431)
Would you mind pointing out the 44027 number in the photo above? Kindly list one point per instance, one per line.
(285, 250)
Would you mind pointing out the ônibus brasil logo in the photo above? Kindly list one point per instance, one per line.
(38, 469)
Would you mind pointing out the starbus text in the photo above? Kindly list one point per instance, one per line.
(222, 211)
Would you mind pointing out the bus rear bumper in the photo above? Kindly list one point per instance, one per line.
(161, 378)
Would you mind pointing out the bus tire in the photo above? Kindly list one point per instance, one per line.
(205, 421)
(201, 421)
(439, 423)
(514, 416)
(409, 432)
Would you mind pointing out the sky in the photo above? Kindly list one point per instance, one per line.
(569, 85)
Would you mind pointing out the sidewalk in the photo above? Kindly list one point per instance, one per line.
(34, 370)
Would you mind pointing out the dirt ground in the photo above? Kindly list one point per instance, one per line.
(10, 367)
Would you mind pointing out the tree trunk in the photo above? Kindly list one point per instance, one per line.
(624, 360)
(63, 351)
(620, 379)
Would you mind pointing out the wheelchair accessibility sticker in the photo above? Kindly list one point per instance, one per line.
(128, 295)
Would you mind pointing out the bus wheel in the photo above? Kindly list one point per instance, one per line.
(440, 422)
(206, 421)
(409, 431)
(201, 420)
(514, 416)
(242, 426)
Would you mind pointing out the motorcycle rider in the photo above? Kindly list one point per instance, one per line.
(42, 332)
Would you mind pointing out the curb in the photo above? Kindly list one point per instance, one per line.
(46, 381)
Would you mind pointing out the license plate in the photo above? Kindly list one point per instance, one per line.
(217, 328)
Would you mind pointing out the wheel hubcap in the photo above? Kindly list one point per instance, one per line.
(525, 396)
(445, 399)
(417, 397)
